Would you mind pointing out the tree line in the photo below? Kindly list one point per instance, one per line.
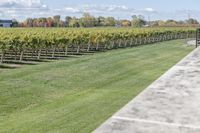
(88, 20)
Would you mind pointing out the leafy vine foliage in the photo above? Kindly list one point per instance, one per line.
(37, 39)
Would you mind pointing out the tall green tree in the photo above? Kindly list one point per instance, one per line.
(67, 20)
(57, 20)
(192, 21)
(110, 21)
(74, 22)
(138, 21)
(87, 20)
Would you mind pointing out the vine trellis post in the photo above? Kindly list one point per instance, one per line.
(197, 37)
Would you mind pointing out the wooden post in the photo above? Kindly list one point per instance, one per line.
(88, 48)
(46, 51)
(120, 42)
(15, 54)
(105, 47)
(149, 40)
(140, 40)
(126, 43)
(97, 46)
(197, 38)
(187, 35)
(78, 49)
(153, 39)
(66, 50)
(2, 57)
(131, 43)
(160, 38)
(39, 54)
(136, 41)
(32, 54)
(21, 56)
(113, 43)
(181, 36)
(53, 54)
(145, 40)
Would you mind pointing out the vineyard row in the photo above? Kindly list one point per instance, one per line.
(36, 44)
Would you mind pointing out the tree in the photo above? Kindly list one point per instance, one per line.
(138, 21)
(74, 22)
(134, 16)
(161, 23)
(35, 23)
(171, 22)
(181, 22)
(192, 21)
(67, 20)
(42, 22)
(50, 22)
(87, 20)
(154, 23)
(101, 21)
(110, 21)
(57, 20)
(28, 22)
(125, 23)
(15, 23)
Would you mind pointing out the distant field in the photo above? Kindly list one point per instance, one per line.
(77, 95)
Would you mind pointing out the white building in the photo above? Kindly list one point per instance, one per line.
(5, 23)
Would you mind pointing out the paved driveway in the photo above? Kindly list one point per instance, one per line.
(169, 105)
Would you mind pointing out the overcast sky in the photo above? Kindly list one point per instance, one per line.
(122, 9)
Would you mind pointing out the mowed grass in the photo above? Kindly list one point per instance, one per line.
(77, 95)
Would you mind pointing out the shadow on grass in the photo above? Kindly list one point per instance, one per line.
(19, 63)
(13, 64)
(25, 62)
(7, 66)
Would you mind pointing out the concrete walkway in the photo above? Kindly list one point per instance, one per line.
(170, 105)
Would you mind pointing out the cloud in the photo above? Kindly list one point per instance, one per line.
(72, 10)
(149, 10)
(22, 9)
(121, 11)
(112, 8)
(186, 13)
(104, 8)
(93, 9)
(25, 4)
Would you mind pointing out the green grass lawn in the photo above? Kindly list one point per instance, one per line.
(77, 95)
